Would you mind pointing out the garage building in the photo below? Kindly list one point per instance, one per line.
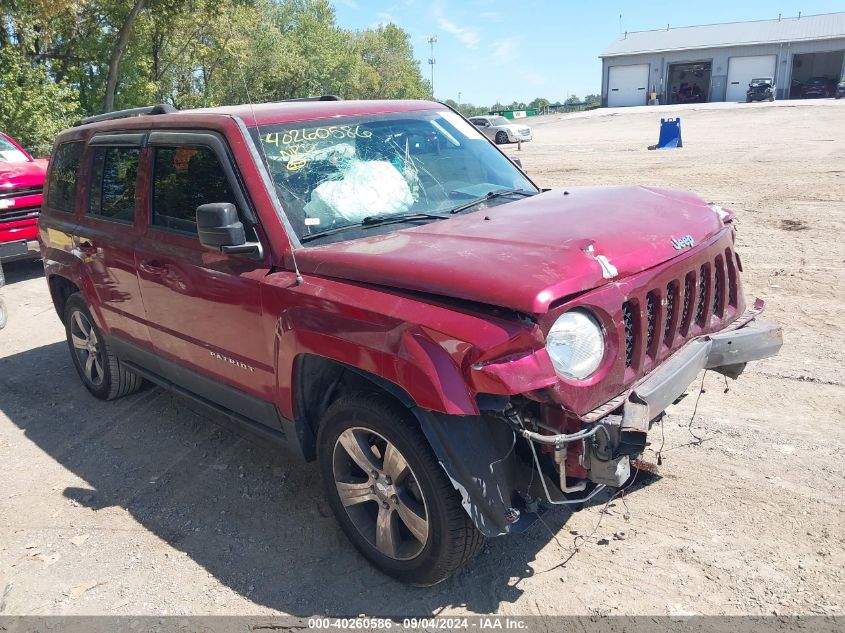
(715, 62)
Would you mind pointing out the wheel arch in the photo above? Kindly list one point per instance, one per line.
(465, 445)
(318, 381)
(61, 288)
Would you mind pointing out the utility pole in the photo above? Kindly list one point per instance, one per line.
(432, 41)
(459, 98)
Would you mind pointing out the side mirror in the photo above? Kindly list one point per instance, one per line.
(220, 229)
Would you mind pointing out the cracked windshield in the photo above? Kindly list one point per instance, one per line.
(338, 179)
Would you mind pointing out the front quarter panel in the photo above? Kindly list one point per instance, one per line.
(425, 348)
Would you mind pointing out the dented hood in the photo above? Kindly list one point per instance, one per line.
(528, 253)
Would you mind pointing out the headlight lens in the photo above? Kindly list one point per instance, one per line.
(576, 344)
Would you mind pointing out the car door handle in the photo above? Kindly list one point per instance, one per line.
(87, 248)
(153, 267)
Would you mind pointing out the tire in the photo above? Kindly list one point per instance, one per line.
(4, 315)
(501, 138)
(104, 375)
(381, 430)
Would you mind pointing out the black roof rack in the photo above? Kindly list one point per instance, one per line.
(162, 108)
(321, 98)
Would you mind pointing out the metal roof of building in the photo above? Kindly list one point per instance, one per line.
(794, 29)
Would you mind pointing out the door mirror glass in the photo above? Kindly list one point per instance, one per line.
(219, 227)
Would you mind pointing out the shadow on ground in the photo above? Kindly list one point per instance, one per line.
(22, 271)
(249, 516)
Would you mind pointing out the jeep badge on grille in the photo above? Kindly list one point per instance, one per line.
(683, 242)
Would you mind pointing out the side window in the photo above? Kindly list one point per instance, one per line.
(61, 190)
(183, 179)
(114, 171)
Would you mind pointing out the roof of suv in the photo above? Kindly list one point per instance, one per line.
(293, 111)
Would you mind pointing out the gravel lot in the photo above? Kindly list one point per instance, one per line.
(142, 506)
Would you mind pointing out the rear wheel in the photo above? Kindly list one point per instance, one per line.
(389, 494)
(98, 367)
(501, 138)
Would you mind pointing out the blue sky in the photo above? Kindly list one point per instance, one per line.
(516, 51)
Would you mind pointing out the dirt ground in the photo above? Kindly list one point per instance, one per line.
(141, 506)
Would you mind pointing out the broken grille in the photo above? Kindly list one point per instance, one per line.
(652, 320)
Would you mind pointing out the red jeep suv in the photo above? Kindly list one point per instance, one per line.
(378, 287)
(21, 182)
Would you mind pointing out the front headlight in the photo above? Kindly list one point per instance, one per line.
(575, 344)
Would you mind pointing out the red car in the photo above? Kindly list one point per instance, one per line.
(21, 184)
(376, 286)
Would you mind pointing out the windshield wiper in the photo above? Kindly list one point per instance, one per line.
(374, 220)
(489, 196)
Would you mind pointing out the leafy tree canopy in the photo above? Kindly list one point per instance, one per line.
(55, 55)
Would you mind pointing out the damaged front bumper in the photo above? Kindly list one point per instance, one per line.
(726, 352)
(500, 487)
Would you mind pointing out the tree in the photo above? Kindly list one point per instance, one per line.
(33, 109)
(572, 100)
(389, 70)
(539, 103)
(117, 53)
(593, 99)
(73, 58)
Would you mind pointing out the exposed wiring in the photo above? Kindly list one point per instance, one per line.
(698, 440)
(579, 540)
(564, 502)
(662, 441)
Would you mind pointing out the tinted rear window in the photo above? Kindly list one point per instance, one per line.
(61, 190)
(113, 174)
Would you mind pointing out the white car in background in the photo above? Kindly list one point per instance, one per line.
(501, 130)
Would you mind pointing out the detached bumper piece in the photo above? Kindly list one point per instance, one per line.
(725, 352)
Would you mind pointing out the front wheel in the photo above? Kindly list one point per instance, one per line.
(389, 494)
(501, 138)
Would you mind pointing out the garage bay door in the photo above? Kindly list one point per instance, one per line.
(627, 85)
(741, 70)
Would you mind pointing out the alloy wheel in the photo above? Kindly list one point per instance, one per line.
(86, 346)
(380, 493)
